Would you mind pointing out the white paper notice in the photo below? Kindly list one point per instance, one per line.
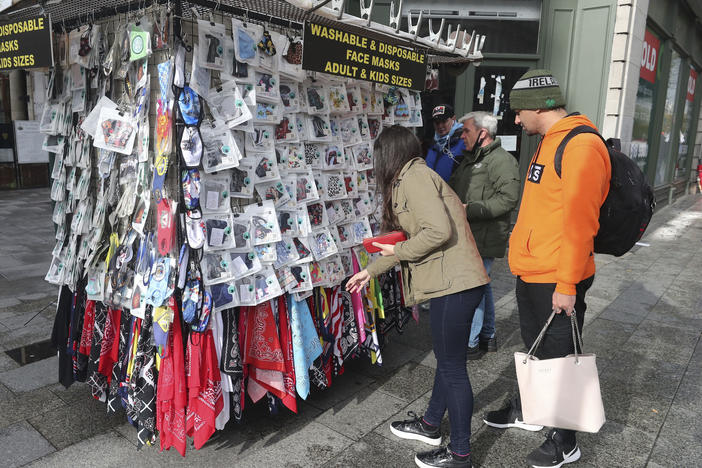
(239, 266)
(212, 200)
(509, 142)
(246, 296)
(216, 237)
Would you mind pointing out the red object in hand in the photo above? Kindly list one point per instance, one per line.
(392, 238)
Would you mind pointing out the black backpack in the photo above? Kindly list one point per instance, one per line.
(629, 205)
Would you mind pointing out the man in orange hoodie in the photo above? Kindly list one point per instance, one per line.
(551, 247)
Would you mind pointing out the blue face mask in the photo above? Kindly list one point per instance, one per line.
(221, 294)
(247, 46)
(189, 105)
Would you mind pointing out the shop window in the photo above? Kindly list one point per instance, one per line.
(645, 99)
(686, 127)
(668, 124)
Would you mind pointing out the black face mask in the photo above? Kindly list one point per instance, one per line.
(478, 142)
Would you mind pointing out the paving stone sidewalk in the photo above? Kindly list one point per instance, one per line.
(644, 322)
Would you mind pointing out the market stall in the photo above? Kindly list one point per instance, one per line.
(213, 183)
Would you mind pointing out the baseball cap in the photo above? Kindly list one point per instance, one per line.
(442, 112)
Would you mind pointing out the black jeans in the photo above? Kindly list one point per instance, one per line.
(534, 301)
(451, 318)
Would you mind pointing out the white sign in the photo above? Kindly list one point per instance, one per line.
(28, 141)
(509, 142)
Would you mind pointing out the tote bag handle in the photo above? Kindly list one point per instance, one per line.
(577, 339)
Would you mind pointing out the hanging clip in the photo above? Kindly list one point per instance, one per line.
(466, 43)
(395, 16)
(436, 37)
(451, 41)
(338, 7)
(413, 28)
(366, 11)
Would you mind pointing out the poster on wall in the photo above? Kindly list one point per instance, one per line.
(29, 142)
(329, 50)
(26, 44)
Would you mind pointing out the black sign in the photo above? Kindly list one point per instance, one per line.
(337, 52)
(26, 44)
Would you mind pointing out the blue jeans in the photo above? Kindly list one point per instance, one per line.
(450, 318)
(484, 319)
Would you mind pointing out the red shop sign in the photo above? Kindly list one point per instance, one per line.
(691, 83)
(649, 59)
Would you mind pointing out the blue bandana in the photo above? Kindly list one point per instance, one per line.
(441, 142)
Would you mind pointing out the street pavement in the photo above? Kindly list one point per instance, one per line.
(643, 321)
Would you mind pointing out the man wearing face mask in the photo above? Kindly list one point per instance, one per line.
(487, 182)
(446, 150)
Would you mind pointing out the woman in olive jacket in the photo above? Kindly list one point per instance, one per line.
(440, 263)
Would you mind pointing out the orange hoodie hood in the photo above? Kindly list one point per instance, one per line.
(552, 241)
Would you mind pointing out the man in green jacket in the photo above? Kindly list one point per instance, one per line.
(487, 182)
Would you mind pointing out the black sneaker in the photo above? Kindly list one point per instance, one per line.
(474, 353)
(442, 457)
(509, 416)
(489, 345)
(554, 452)
(416, 429)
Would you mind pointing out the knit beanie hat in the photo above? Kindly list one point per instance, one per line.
(536, 89)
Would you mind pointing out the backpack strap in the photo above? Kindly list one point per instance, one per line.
(558, 158)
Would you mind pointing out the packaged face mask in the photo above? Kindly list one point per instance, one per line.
(266, 166)
(261, 139)
(267, 113)
(246, 41)
(116, 131)
(303, 250)
(211, 45)
(273, 191)
(317, 213)
(287, 220)
(219, 233)
(216, 267)
(286, 130)
(224, 295)
(200, 77)
(286, 253)
(290, 184)
(266, 253)
(220, 149)
(242, 182)
(306, 188)
(333, 270)
(264, 222)
(267, 87)
(316, 99)
(290, 96)
(266, 285)
(241, 233)
(303, 280)
(245, 264)
(318, 128)
(333, 157)
(214, 195)
(227, 104)
(338, 99)
(362, 156)
(334, 186)
(296, 158)
(374, 128)
(335, 213)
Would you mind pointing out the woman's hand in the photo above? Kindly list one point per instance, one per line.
(386, 250)
(358, 281)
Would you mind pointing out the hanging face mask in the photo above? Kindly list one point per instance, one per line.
(228, 105)
(190, 180)
(245, 263)
(216, 267)
(192, 293)
(190, 145)
(224, 295)
(189, 106)
(242, 185)
(195, 229)
(158, 284)
(179, 67)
